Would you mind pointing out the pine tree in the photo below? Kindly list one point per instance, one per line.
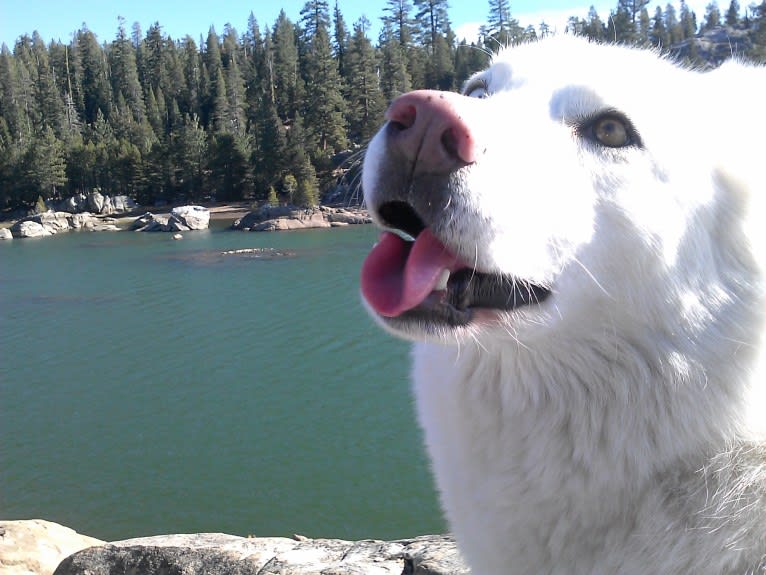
(315, 14)
(287, 84)
(218, 107)
(364, 97)
(306, 194)
(189, 96)
(433, 19)
(632, 8)
(620, 27)
(441, 69)
(49, 103)
(341, 41)
(213, 104)
(644, 28)
(499, 23)
(325, 110)
(229, 165)
(732, 14)
(45, 166)
(269, 149)
(687, 20)
(153, 48)
(758, 33)
(399, 17)
(10, 108)
(659, 34)
(712, 17)
(594, 28)
(398, 14)
(394, 76)
(672, 25)
(189, 154)
(153, 114)
(92, 69)
(235, 86)
(124, 74)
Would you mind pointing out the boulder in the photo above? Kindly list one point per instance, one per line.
(345, 216)
(270, 218)
(51, 222)
(181, 219)
(75, 204)
(193, 217)
(123, 204)
(29, 229)
(5, 234)
(36, 547)
(149, 223)
(54, 221)
(87, 221)
(95, 202)
(215, 553)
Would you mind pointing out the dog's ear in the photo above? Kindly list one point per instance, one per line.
(741, 194)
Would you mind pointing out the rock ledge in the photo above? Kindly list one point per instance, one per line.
(220, 554)
(282, 218)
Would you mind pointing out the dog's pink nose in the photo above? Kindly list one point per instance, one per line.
(427, 128)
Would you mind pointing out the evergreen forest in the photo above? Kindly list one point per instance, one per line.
(275, 113)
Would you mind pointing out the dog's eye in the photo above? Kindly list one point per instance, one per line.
(611, 130)
(477, 90)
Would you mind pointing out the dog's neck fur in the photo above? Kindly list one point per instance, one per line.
(575, 444)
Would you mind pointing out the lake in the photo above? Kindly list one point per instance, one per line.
(155, 386)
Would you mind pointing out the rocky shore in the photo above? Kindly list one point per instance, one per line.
(50, 223)
(37, 547)
(183, 218)
(282, 218)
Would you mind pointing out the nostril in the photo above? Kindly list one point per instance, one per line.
(401, 115)
(450, 143)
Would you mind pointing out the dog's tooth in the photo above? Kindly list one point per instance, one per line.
(443, 279)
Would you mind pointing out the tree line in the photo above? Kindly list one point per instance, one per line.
(266, 115)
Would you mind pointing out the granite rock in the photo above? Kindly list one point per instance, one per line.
(283, 218)
(214, 554)
(36, 547)
(50, 222)
(29, 229)
(192, 217)
(181, 219)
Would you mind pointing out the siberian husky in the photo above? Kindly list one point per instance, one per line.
(576, 246)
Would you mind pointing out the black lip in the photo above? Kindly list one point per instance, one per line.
(471, 289)
(468, 291)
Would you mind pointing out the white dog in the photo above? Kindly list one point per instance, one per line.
(586, 289)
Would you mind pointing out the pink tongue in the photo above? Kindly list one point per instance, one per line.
(398, 275)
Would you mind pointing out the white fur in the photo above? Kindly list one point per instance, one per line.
(619, 427)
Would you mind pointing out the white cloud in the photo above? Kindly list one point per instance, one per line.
(468, 31)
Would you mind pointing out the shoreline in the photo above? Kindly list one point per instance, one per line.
(241, 216)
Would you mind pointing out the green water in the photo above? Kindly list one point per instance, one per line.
(153, 386)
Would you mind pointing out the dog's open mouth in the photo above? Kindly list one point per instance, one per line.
(423, 279)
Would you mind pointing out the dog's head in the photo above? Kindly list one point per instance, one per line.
(566, 182)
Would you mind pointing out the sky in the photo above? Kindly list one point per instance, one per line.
(58, 20)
